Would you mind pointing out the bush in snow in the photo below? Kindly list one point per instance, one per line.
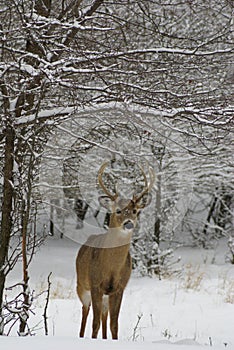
(231, 249)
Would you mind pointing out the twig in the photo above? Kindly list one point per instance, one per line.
(46, 304)
(134, 335)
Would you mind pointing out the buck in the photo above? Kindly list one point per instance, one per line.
(104, 264)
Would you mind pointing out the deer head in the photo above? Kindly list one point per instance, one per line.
(124, 212)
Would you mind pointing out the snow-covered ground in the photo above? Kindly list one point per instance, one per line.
(191, 310)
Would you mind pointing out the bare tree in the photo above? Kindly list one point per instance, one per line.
(25, 84)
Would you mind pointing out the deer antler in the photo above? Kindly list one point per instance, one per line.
(100, 173)
(148, 186)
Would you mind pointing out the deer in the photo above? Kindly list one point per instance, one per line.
(104, 263)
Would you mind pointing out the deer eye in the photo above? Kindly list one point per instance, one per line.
(134, 211)
(118, 211)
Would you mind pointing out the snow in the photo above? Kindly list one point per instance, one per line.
(192, 309)
(71, 343)
(139, 113)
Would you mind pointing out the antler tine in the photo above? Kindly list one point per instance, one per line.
(148, 186)
(100, 173)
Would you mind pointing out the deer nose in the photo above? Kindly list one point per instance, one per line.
(128, 225)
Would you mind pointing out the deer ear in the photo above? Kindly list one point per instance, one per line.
(105, 202)
(145, 200)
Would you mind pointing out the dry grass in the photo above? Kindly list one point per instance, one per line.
(229, 292)
(59, 289)
(192, 277)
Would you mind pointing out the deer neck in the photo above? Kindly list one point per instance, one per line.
(117, 237)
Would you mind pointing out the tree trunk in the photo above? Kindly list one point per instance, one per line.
(26, 304)
(6, 221)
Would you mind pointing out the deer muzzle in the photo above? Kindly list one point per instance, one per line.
(128, 225)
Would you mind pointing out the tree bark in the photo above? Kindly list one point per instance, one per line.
(6, 221)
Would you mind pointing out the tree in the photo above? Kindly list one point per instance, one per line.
(24, 86)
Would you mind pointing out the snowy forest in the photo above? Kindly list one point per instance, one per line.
(142, 84)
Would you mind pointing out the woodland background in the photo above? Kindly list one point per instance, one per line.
(132, 81)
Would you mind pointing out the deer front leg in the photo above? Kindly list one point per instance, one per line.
(114, 307)
(104, 324)
(96, 296)
(105, 308)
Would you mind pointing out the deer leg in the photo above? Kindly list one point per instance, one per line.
(85, 312)
(97, 310)
(114, 305)
(85, 298)
(104, 324)
(105, 307)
